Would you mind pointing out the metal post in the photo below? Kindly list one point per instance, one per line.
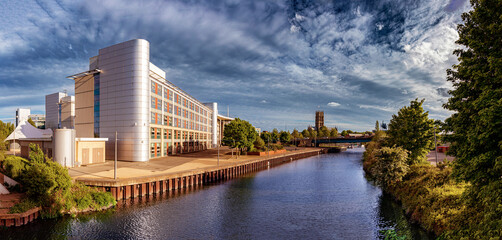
(15, 141)
(268, 143)
(115, 165)
(218, 146)
(435, 145)
(15, 126)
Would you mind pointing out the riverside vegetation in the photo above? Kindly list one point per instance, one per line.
(450, 207)
(48, 185)
(463, 199)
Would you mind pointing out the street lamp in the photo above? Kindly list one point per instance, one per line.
(268, 143)
(435, 146)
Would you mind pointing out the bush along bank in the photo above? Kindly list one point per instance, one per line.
(432, 196)
(49, 186)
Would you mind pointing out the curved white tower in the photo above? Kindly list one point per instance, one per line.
(124, 99)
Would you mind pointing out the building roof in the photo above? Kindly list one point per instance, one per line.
(221, 117)
(25, 131)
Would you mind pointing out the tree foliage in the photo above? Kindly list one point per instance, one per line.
(259, 143)
(275, 135)
(377, 126)
(412, 130)
(239, 134)
(390, 166)
(285, 137)
(295, 134)
(5, 130)
(476, 125)
(30, 121)
(333, 132)
(36, 154)
(266, 136)
(306, 134)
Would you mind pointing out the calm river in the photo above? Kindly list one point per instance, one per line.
(323, 197)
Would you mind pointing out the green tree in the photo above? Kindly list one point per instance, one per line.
(344, 133)
(285, 137)
(275, 136)
(390, 165)
(259, 143)
(305, 133)
(323, 132)
(333, 132)
(30, 121)
(239, 134)
(377, 126)
(266, 136)
(476, 126)
(295, 134)
(5, 130)
(412, 130)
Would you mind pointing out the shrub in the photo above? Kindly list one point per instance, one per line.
(390, 165)
(36, 154)
(14, 166)
(41, 179)
(23, 206)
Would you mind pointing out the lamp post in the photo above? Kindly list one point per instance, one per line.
(115, 164)
(15, 135)
(268, 144)
(435, 146)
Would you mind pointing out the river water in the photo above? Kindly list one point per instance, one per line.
(322, 197)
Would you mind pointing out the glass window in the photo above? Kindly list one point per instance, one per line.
(152, 149)
(157, 133)
(152, 133)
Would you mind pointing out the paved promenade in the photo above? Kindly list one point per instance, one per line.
(168, 165)
(431, 157)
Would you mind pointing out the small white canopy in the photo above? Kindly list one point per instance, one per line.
(26, 131)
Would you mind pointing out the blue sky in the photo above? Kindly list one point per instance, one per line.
(274, 63)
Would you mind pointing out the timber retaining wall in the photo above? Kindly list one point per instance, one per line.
(146, 186)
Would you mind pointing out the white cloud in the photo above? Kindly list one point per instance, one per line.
(294, 29)
(333, 104)
(377, 107)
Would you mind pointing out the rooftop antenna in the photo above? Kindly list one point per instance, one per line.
(228, 110)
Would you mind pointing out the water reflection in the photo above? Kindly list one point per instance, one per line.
(323, 197)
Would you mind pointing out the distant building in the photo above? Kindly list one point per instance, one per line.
(60, 111)
(258, 130)
(319, 120)
(38, 119)
(22, 114)
(52, 107)
(67, 112)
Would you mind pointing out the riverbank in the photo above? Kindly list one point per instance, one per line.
(178, 172)
(320, 197)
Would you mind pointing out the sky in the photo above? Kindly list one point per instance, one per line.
(272, 63)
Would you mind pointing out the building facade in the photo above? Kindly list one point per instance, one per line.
(124, 94)
(38, 119)
(67, 112)
(52, 110)
(319, 120)
(22, 114)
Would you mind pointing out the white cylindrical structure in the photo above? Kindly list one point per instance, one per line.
(64, 147)
(215, 124)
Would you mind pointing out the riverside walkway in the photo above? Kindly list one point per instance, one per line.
(136, 179)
